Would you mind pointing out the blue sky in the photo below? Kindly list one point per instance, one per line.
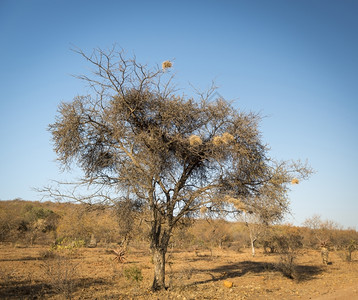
(295, 62)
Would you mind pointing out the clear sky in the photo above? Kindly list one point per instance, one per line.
(296, 62)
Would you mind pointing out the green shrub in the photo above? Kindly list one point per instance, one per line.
(68, 245)
(133, 273)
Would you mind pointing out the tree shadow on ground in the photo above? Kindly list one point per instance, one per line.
(20, 259)
(306, 273)
(41, 290)
(302, 272)
(20, 290)
(201, 258)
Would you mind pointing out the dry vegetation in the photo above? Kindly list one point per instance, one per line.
(92, 274)
(204, 259)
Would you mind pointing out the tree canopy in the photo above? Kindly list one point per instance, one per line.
(178, 156)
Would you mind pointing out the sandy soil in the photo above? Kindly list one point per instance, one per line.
(93, 274)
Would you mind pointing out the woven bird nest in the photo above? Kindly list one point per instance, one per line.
(238, 204)
(166, 64)
(195, 140)
(227, 138)
(295, 181)
(203, 209)
(218, 141)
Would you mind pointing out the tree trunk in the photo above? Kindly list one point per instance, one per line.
(253, 240)
(253, 248)
(124, 242)
(159, 246)
(159, 269)
(349, 255)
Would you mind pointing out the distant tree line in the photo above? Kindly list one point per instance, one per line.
(30, 223)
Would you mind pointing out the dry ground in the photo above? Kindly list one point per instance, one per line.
(92, 274)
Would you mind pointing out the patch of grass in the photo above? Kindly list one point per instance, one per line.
(133, 273)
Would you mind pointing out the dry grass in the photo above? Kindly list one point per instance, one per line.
(93, 274)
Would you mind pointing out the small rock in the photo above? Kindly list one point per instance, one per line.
(228, 284)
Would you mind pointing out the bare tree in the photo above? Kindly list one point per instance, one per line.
(133, 135)
(322, 230)
(255, 227)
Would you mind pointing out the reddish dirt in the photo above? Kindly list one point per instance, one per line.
(93, 274)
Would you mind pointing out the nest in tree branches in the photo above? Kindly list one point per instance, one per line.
(166, 64)
(238, 204)
(203, 209)
(227, 138)
(217, 141)
(195, 140)
(295, 181)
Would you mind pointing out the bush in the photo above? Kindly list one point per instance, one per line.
(288, 247)
(287, 266)
(348, 249)
(68, 246)
(61, 273)
(133, 273)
